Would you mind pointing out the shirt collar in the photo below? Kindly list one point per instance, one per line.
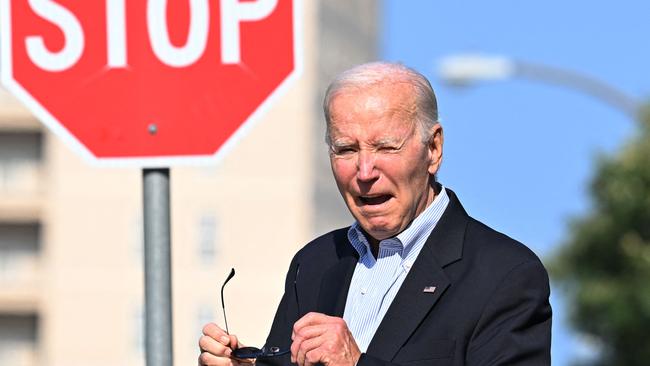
(421, 226)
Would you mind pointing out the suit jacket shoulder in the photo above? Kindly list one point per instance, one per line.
(492, 253)
(328, 247)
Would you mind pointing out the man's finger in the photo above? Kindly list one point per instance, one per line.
(310, 325)
(308, 350)
(209, 344)
(311, 319)
(306, 346)
(302, 335)
(234, 342)
(313, 357)
(208, 359)
(308, 339)
(311, 331)
(213, 330)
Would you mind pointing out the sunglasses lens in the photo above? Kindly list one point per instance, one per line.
(254, 352)
(247, 352)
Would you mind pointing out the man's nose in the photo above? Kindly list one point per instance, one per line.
(366, 168)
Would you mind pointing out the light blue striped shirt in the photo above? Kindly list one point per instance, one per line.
(375, 282)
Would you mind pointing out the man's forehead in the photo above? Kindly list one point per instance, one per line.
(382, 101)
(387, 130)
(383, 139)
(397, 93)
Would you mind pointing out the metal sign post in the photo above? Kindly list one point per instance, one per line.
(157, 267)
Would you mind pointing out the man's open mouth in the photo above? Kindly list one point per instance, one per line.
(374, 200)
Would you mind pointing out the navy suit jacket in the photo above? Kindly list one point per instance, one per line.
(490, 304)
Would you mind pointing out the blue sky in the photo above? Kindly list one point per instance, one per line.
(520, 153)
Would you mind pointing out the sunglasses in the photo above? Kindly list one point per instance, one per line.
(249, 352)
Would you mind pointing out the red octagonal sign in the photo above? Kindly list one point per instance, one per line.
(148, 81)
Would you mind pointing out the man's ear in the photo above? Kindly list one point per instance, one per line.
(435, 148)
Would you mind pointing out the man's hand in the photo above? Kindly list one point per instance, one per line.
(325, 339)
(216, 347)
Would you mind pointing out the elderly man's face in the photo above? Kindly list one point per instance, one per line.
(381, 166)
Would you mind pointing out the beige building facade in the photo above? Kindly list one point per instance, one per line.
(71, 253)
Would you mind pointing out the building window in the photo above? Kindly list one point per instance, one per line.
(19, 249)
(18, 339)
(207, 239)
(21, 155)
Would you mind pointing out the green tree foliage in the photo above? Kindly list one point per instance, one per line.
(605, 265)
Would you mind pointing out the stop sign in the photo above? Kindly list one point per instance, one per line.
(147, 81)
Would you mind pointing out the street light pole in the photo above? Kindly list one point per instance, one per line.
(463, 70)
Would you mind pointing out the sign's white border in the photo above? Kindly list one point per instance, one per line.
(6, 77)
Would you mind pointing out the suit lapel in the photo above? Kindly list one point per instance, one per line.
(416, 296)
(408, 309)
(335, 284)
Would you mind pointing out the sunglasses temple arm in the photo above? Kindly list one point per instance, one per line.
(223, 304)
(225, 319)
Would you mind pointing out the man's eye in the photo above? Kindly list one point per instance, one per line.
(388, 148)
(345, 150)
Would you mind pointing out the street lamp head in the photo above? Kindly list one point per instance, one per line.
(466, 69)
(461, 70)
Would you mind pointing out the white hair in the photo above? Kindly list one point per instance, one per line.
(374, 73)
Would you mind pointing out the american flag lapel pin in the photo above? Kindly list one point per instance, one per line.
(429, 289)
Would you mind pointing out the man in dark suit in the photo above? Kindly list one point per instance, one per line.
(414, 280)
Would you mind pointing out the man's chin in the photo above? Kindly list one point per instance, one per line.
(378, 231)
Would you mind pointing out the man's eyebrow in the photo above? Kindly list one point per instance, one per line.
(341, 143)
(388, 141)
(391, 141)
